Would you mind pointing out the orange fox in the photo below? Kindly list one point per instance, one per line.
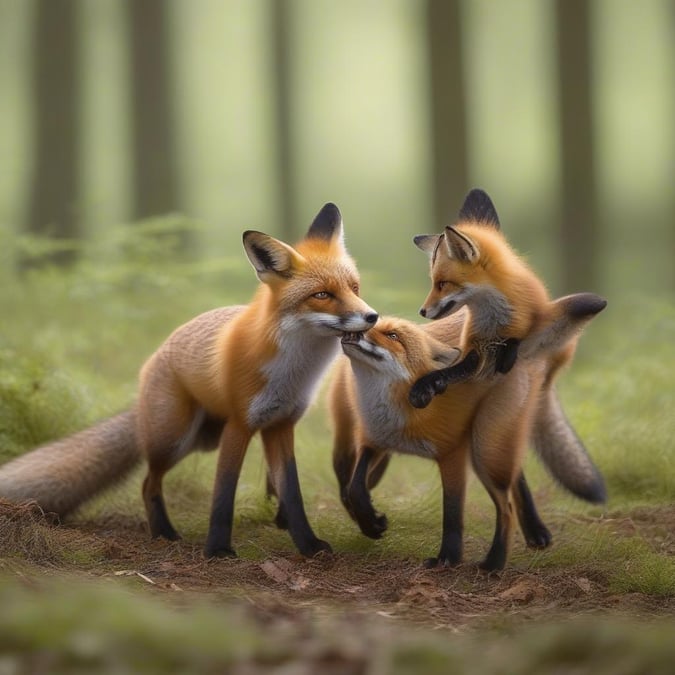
(472, 260)
(217, 380)
(485, 421)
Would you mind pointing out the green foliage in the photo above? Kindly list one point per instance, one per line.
(37, 403)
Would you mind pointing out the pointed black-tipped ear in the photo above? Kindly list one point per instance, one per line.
(269, 256)
(460, 247)
(478, 208)
(428, 243)
(327, 224)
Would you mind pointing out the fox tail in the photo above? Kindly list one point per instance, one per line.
(563, 453)
(62, 475)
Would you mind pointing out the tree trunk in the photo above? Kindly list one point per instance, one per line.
(53, 208)
(448, 109)
(155, 181)
(281, 44)
(578, 218)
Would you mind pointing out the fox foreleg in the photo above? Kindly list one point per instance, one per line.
(278, 445)
(359, 502)
(437, 381)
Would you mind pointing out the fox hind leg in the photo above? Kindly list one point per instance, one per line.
(453, 477)
(163, 445)
(371, 523)
(536, 534)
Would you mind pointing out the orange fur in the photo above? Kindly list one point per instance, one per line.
(216, 381)
(485, 422)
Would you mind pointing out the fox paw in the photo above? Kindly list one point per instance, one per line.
(374, 527)
(424, 390)
(315, 548)
(280, 520)
(224, 552)
(540, 537)
(432, 563)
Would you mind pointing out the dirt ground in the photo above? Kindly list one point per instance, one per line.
(286, 587)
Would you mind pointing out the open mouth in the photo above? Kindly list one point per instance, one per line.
(355, 345)
(351, 338)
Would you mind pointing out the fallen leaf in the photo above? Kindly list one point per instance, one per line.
(274, 571)
(584, 584)
(523, 591)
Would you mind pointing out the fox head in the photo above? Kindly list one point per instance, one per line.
(398, 350)
(471, 256)
(314, 285)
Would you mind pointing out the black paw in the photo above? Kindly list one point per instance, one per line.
(431, 563)
(540, 537)
(424, 390)
(374, 527)
(315, 548)
(280, 520)
(492, 563)
(165, 532)
(217, 552)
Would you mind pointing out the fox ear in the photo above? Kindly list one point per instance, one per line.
(443, 355)
(428, 243)
(327, 224)
(460, 247)
(269, 256)
(478, 208)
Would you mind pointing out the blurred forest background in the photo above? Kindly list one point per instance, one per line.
(238, 114)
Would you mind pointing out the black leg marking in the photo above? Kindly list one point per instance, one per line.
(496, 556)
(453, 525)
(281, 519)
(437, 381)
(342, 465)
(219, 539)
(158, 518)
(371, 523)
(536, 534)
(298, 526)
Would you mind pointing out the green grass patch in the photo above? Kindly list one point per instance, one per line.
(77, 337)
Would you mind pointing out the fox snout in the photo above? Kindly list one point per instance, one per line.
(436, 312)
(358, 322)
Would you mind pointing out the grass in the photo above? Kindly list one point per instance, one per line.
(112, 631)
(70, 355)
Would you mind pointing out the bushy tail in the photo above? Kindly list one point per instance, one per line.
(563, 453)
(62, 475)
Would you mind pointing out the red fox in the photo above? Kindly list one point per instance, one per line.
(217, 380)
(487, 421)
(473, 258)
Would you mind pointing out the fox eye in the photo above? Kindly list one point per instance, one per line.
(356, 289)
(321, 295)
(440, 285)
(393, 336)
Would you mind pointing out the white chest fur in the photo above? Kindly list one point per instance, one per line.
(384, 421)
(292, 375)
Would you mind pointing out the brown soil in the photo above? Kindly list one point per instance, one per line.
(288, 587)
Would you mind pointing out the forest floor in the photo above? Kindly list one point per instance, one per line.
(342, 610)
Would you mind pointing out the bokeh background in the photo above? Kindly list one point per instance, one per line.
(238, 114)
